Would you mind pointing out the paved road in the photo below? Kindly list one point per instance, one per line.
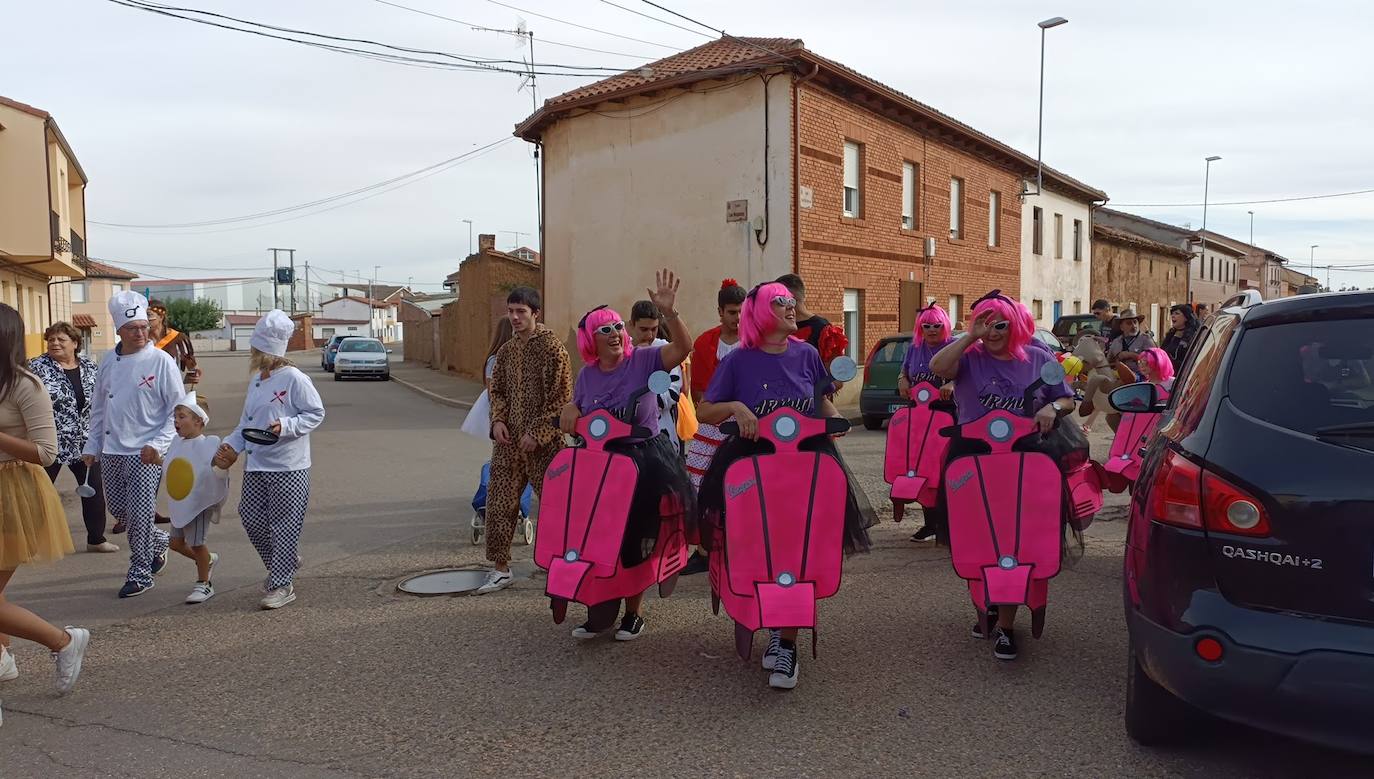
(355, 680)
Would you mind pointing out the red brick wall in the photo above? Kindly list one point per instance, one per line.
(873, 253)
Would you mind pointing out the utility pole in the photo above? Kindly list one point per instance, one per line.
(308, 309)
(274, 276)
(528, 35)
(292, 253)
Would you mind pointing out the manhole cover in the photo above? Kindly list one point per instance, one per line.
(448, 582)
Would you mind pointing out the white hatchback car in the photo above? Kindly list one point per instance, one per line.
(362, 357)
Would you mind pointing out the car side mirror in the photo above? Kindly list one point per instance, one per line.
(1142, 398)
(388, 351)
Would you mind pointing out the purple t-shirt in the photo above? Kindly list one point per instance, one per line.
(986, 383)
(765, 382)
(916, 364)
(611, 390)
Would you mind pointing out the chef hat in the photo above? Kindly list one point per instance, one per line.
(193, 405)
(272, 332)
(128, 306)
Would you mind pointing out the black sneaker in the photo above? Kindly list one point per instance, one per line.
(992, 622)
(631, 627)
(134, 589)
(924, 534)
(697, 563)
(785, 667)
(159, 562)
(1004, 644)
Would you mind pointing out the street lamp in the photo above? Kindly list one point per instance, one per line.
(1040, 131)
(1312, 259)
(1252, 227)
(468, 222)
(1206, 184)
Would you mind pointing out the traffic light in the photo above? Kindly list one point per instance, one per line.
(285, 275)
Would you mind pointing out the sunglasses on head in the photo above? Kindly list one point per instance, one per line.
(613, 327)
(581, 323)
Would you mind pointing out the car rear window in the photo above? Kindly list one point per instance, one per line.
(360, 345)
(1306, 375)
(893, 351)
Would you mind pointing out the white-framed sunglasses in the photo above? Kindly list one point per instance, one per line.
(785, 302)
(612, 327)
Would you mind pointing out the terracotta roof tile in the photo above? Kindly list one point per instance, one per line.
(25, 107)
(83, 320)
(1130, 238)
(720, 53)
(733, 54)
(97, 269)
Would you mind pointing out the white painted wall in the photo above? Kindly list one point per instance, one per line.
(646, 187)
(384, 323)
(1205, 288)
(1045, 277)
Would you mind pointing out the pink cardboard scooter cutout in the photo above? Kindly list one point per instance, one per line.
(916, 450)
(784, 537)
(583, 513)
(1132, 435)
(1005, 513)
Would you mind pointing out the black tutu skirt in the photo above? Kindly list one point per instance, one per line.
(662, 490)
(858, 516)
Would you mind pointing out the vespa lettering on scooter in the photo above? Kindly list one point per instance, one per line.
(782, 546)
(915, 450)
(583, 514)
(1004, 523)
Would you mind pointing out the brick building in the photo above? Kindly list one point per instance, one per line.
(750, 158)
(457, 335)
(1133, 271)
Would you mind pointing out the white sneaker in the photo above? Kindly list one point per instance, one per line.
(496, 580)
(9, 671)
(69, 659)
(279, 597)
(202, 592)
(104, 548)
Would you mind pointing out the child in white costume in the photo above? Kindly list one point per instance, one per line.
(196, 492)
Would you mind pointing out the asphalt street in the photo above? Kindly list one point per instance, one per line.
(357, 680)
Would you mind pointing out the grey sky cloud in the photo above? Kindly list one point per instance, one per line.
(178, 122)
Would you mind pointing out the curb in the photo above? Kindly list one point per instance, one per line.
(434, 396)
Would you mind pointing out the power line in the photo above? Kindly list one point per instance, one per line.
(463, 63)
(542, 41)
(655, 18)
(722, 33)
(1244, 202)
(582, 26)
(406, 178)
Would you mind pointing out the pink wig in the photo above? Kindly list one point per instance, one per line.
(934, 315)
(1159, 363)
(1022, 327)
(586, 333)
(756, 318)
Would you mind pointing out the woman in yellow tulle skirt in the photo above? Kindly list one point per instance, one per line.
(33, 526)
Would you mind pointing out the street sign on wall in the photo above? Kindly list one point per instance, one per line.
(737, 211)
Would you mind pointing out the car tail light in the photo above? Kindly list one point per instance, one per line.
(1176, 496)
(1229, 509)
(1209, 649)
(1185, 495)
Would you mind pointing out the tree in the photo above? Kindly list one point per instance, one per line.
(188, 316)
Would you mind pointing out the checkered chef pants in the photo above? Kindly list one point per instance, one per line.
(131, 495)
(273, 512)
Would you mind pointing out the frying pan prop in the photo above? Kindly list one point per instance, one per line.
(259, 436)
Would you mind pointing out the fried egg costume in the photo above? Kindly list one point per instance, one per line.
(192, 484)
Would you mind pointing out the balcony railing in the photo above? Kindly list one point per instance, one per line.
(78, 246)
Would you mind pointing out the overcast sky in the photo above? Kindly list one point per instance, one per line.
(177, 122)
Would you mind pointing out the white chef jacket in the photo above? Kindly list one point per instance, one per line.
(287, 396)
(135, 395)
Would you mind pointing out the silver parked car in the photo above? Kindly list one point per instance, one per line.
(362, 357)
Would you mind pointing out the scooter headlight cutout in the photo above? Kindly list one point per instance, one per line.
(785, 428)
(570, 555)
(598, 428)
(1006, 562)
(923, 396)
(786, 579)
(1000, 430)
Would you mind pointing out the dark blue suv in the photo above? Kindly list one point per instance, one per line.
(1249, 577)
